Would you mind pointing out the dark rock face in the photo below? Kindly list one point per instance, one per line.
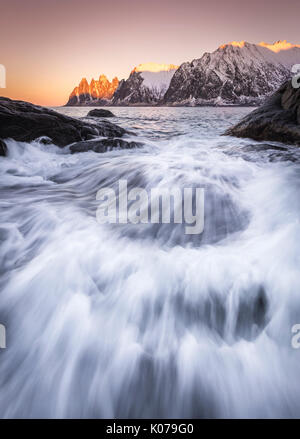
(3, 148)
(276, 120)
(25, 122)
(73, 100)
(146, 85)
(100, 113)
(102, 145)
(131, 92)
(291, 100)
(231, 75)
(134, 92)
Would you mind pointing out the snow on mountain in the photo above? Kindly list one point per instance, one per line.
(235, 74)
(147, 84)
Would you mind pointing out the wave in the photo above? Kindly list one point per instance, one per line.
(142, 320)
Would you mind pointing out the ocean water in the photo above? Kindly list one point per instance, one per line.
(122, 320)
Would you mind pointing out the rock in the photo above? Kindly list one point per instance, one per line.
(98, 92)
(25, 122)
(238, 73)
(146, 85)
(276, 120)
(263, 147)
(102, 145)
(290, 99)
(131, 92)
(3, 148)
(100, 113)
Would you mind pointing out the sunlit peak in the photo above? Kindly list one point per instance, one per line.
(279, 45)
(234, 43)
(154, 67)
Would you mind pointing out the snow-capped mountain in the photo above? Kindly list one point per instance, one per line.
(146, 85)
(236, 73)
(97, 92)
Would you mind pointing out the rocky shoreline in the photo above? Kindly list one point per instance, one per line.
(278, 119)
(25, 122)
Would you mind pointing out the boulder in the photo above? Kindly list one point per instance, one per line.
(277, 120)
(102, 145)
(100, 113)
(25, 122)
(3, 148)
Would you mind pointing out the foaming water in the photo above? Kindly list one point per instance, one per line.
(143, 320)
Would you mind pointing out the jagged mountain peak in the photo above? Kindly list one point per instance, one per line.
(96, 91)
(236, 73)
(103, 78)
(147, 84)
(83, 80)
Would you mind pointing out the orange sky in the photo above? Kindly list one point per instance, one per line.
(47, 46)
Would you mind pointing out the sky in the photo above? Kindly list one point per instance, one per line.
(47, 46)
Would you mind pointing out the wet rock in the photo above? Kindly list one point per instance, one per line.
(25, 122)
(102, 145)
(263, 147)
(277, 120)
(100, 113)
(3, 148)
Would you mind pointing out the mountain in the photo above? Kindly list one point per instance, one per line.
(146, 85)
(97, 92)
(238, 73)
